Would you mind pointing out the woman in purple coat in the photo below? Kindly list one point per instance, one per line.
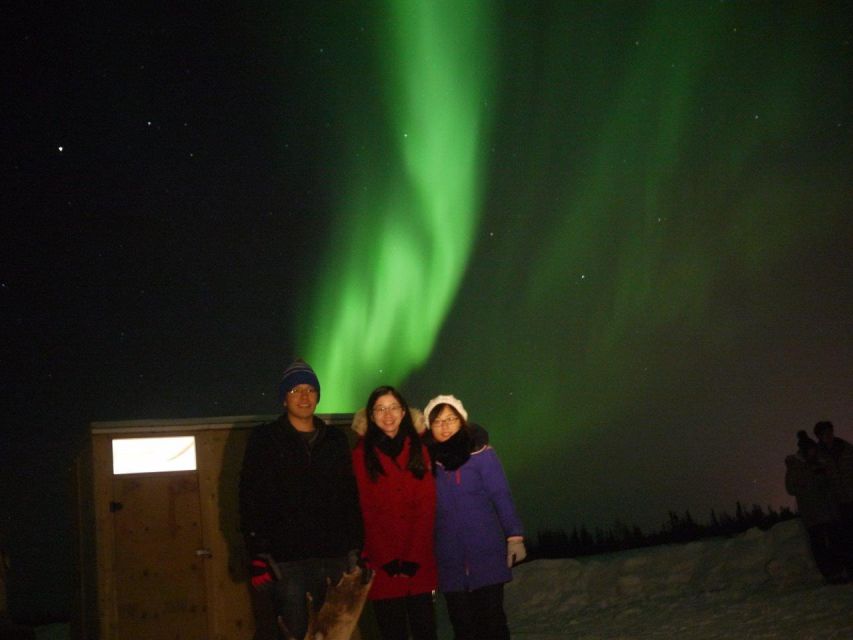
(478, 535)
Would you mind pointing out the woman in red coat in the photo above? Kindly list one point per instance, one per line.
(397, 494)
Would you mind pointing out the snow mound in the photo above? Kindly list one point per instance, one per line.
(758, 584)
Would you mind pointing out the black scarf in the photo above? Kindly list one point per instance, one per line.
(391, 447)
(453, 452)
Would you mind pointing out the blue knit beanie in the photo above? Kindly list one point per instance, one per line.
(300, 372)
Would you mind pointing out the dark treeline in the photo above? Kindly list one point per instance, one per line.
(556, 543)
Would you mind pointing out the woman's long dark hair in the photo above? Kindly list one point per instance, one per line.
(407, 429)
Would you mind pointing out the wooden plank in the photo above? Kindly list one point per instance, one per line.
(159, 581)
(85, 619)
(102, 472)
(221, 454)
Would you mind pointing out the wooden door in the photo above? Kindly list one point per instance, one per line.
(159, 557)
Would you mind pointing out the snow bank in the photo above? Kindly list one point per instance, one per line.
(780, 555)
(758, 584)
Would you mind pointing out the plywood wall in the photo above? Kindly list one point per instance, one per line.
(220, 444)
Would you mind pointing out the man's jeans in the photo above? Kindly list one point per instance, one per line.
(298, 578)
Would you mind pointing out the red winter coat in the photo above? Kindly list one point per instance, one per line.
(399, 514)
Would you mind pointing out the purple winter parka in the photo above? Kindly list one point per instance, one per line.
(474, 516)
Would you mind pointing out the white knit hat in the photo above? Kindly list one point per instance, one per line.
(453, 401)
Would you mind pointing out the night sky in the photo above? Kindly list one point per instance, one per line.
(620, 232)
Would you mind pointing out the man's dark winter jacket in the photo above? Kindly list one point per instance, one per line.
(297, 501)
(839, 466)
(809, 483)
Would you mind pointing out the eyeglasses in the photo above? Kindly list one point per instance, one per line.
(311, 391)
(391, 408)
(446, 422)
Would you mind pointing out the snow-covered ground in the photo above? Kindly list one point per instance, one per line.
(756, 585)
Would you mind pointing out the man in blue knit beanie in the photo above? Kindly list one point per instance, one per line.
(299, 508)
(298, 373)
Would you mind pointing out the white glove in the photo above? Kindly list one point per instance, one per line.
(515, 551)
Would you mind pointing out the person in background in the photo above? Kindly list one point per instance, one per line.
(299, 507)
(837, 454)
(807, 480)
(397, 494)
(478, 535)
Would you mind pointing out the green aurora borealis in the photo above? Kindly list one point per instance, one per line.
(615, 230)
(386, 294)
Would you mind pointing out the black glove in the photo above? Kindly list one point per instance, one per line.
(392, 568)
(409, 568)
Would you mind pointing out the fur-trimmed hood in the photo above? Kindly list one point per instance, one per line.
(359, 421)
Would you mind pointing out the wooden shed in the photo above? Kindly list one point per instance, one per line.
(160, 554)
